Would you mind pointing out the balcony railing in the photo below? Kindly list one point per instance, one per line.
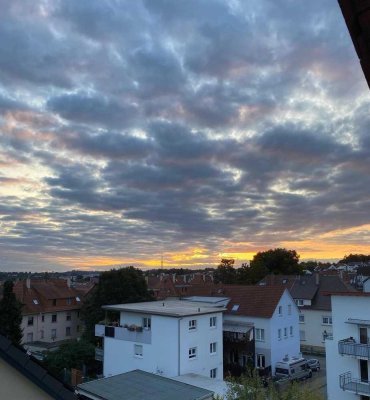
(346, 382)
(352, 348)
(121, 333)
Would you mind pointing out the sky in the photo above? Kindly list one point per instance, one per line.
(188, 129)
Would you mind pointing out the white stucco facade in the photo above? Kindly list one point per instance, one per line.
(172, 345)
(314, 325)
(348, 352)
(268, 343)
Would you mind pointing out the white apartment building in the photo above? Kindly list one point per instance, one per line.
(169, 338)
(348, 352)
(273, 314)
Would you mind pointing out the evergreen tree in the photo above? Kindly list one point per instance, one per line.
(10, 314)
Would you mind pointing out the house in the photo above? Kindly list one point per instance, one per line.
(138, 384)
(169, 338)
(260, 324)
(348, 351)
(50, 312)
(308, 292)
(23, 378)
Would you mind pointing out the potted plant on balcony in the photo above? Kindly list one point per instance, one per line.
(139, 329)
(132, 328)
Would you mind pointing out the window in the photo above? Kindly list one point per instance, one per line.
(41, 334)
(280, 310)
(260, 335)
(213, 373)
(301, 318)
(42, 318)
(78, 299)
(299, 302)
(289, 309)
(54, 318)
(261, 361)
(68, 317)
(213, 322)
(54, 302)
(68, 331)
(192, 352)
(138, 350)
(29, 337)
(291, 331)
(53, 333)
(327, 320)
(35, 301)
(147, 323)
(192, 324)
(69, 301)
(235, 307)
(213, 347)
(285, 332)
(302, 335)
(30, 321)
(279, 334)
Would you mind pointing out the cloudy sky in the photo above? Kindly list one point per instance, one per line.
(196, 129)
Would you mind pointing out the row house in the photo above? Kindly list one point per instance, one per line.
(51, 310)
(348, 350)
(308, 292)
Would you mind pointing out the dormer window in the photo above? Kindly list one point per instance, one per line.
(35, 301)
(78, 299)
(235, 307)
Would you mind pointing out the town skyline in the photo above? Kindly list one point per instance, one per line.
(195, 131)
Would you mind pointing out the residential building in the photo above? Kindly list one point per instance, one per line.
(138, 384)
(50, 312)
(308, 292)
(348, 351)
(169, 338)
(23, 378)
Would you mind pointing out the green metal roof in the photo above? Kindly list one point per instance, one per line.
(138, 385)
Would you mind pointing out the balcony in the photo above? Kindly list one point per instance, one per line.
(351, 348)
(124, 333)
(346, 382)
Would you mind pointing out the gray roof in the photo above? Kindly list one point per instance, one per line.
(138, 385)
(169, 308)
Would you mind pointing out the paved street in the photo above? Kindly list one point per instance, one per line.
(318, 381)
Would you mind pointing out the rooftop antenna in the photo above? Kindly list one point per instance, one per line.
(162, 261)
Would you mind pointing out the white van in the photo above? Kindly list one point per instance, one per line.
(295, 368)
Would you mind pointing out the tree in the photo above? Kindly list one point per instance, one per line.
(254, 388)
(10, 314)
(117, 286)
(276, 261)
(225, 272)
(73, 354)
(355, 258)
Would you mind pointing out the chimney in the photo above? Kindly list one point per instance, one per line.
(69, 282)
(28, 283)
(204, 277)
(317, 278)
(173, 278)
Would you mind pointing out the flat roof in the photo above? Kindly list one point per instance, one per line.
(169, 308)
(356, 321)
(217, 386)
(138, 385)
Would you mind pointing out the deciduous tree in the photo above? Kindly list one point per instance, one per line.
(10, 314)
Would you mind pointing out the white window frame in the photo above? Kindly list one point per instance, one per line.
(279, 334)
(192, 325)
(289, 309)
(285, 332)
(147, 323)
(261, 361)
(291, 330)
(213, 348)
(53, 333)
(299, 302)
(192, 353)
(301, 319)
(280, 311)
(328, 318)
(138, 350)
(213, 373)
(260, 334)
(212, 322)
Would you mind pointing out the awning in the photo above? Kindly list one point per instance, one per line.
(358, 321)
(229, 326)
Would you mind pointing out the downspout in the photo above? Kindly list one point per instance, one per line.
(179, 347)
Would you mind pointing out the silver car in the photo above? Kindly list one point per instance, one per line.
(314, 364)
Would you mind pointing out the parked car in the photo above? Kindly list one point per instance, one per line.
(294, 369)
(314, 364)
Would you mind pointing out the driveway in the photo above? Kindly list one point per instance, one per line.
(318, 381)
